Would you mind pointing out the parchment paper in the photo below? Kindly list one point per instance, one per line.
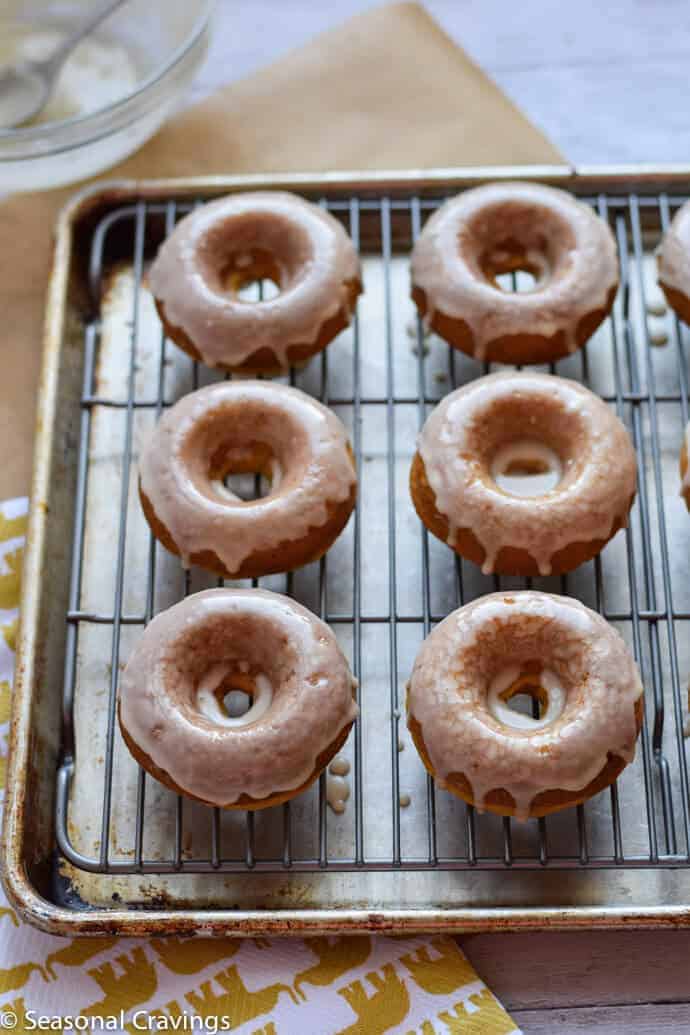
(387, 90)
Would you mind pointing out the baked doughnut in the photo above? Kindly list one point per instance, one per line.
(673, 263)
(240, 427)
(555, 650)
(191, 657)
(468, 477)
(685, 467)
(221, 247)
(500, 228)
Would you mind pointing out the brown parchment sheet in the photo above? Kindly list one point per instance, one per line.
(386, 90)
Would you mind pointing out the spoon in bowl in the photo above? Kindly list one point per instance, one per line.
(26, 87)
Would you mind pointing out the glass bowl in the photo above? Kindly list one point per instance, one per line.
(164, 42)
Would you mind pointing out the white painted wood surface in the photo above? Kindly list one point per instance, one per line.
(608, 82)
(585, 969)
(636, 1020)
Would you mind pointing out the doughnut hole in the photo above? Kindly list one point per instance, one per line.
(531, 699)
(519, 280)
(508, 266)
(517, 235)
(235, 693)
(236, 703)
(520, 438)
(523, 657)
(525, 695)
(245, 473)
(230, 657)
(245, 485)
(240, 458)
(259, 247)
(525, 648)
(252, 276)
(526, 468)
(231, 695)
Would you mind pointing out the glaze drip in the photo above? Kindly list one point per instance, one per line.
(337, 792)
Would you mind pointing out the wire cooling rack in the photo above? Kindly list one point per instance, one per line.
(383, 585)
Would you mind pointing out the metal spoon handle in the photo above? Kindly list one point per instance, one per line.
(92, 20)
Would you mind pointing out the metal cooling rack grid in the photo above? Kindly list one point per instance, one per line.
(651, 617)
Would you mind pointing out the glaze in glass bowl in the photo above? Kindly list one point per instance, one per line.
(167, 42)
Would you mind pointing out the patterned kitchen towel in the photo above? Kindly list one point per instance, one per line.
(349, 985)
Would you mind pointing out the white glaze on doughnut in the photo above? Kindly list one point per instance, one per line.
(179, 655)
(571, 250)
(673, 254)
(315, 256)
(597, 458)
(456, 664)
(309, 446)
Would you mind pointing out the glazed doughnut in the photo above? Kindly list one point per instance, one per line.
(673, 263)
(467, 481)
(557, 651)
(500, 228)
(247, 426)
(221, 247)
(223, 641)
(685, 467)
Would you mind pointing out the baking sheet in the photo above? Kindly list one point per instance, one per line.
(470, 875)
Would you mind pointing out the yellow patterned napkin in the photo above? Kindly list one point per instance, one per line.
(320, 986)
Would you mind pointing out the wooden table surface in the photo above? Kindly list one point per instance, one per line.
(608, 82)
